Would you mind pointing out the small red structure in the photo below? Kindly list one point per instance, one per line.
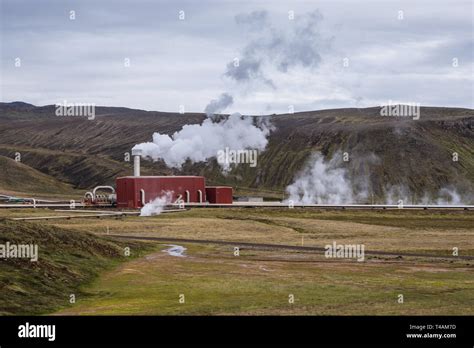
(135, 191)
(219, 194)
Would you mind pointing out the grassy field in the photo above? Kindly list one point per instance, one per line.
(67, 260)
(214, 281)
(404, 231)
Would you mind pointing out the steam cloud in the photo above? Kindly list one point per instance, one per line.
(298, 46)
(445, 196)
(268, 47)
(324, 181)
(156, 206)
(201, 142)
(217, 105)
(321, 182)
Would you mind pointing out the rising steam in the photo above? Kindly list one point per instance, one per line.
(267, 49)
(321, 182)
(217, 105)
(201, 142)
(156, 206)
(324, 181)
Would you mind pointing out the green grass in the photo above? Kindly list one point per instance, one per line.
(396, 218)
(66, 261)
(258, 282)
(431, 232)
(214, 282)
(18, 177)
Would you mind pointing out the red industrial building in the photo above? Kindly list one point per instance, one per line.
(135, 191)
(219, 194)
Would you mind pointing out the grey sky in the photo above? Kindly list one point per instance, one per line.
(283, 62)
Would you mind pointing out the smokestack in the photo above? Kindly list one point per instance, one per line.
(136, 153)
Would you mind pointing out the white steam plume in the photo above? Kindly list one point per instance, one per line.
(327, 182)
(445, 196)
(217, 105)
(156, 206)
(321, 182)
(449, 196)
(269, 47)
(200, 142)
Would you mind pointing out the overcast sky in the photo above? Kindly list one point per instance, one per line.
(332, 54)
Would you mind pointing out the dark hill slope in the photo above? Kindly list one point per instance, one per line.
(66, 261)
(16, 176)
(383, 150)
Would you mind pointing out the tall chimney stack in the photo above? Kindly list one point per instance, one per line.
(136, 153)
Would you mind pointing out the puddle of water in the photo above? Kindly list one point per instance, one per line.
(175, 250)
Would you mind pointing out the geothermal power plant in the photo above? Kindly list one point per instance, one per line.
(135, 191)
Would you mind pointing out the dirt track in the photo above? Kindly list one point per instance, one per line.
(282, 246)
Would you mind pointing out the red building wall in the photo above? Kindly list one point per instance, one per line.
(219, 194)
(129, 189)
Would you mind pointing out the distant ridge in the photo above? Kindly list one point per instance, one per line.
(86, 153)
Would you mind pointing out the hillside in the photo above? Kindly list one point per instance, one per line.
(18, 177)
(413, 154)
(66, 261)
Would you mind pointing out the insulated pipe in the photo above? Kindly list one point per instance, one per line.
(33, 200)
(101, 187)
(200, 196)
(136, 153)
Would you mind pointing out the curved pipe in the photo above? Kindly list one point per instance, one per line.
(31, 199)
(101, 187)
